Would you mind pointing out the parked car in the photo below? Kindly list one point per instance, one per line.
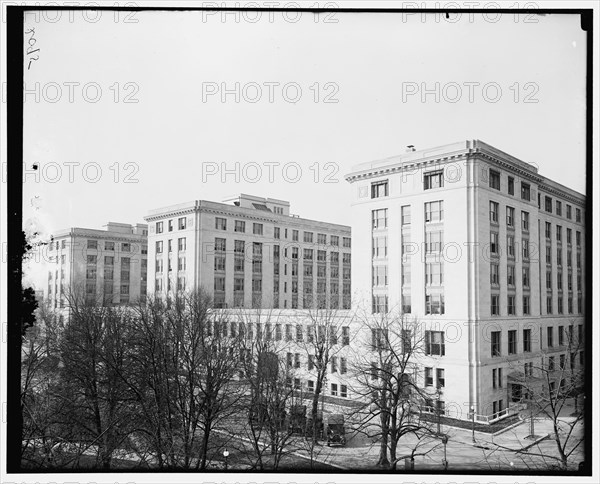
(336, 433)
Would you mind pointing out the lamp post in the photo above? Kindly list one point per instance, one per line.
(445, 461)
(225, 454)
(473, 423)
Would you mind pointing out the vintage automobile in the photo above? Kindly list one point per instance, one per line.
(336, 433)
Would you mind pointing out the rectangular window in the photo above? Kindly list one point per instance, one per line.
(558, 233)
(239, 226)
(495, 305)
(494, 273)
(525, 191)
(181, 222)
(333, 364)
(548, 230)
(109, 246)
(181, 244)
(91, 244)
(495, 343)
(494, 377)
(548, 204)
(334, 240)
(526, 306)
(434, 343)
(406, 215)
(322, 239)
(159, 227)
(511, 305)
(494, 179)
(434, 211)
(511, 185)
(494, 248)
(559, 208)
(510, 217)
(577, 215)
(344, 391)
(527, 340)
(525, 276)
(434, 304)
(525, 221)
(379, 218)
(510, 275)
(379, 189)
(334, 389)
(346, 241)
(295, 235)
(434, 274)
(308, 237)
(170, 225)
(510, 246)
(434, 179)
(428, 377)
(220, 223)
(257, 229)
(569, 236)
(440, 375)
(512, 342)
(525, 244)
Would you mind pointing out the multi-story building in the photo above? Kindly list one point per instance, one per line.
(249, 252)
(108, 266)
(486, 253)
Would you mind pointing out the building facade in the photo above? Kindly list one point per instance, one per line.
(107, 266)
(249, 252)
(486, 253)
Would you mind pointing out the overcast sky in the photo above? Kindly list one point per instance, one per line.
(172, 145)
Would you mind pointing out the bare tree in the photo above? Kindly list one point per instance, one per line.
(385, 371)
(328, 331)
(551, 388)
(270, 394)
(185, 365)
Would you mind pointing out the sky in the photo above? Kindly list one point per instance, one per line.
(125, 115)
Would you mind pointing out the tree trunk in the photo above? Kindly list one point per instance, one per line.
(383, 459)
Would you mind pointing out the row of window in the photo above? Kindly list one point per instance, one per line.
(181, 225)
(548, 206)
(565, 338)
(548, 234)
(308, 237)
(434, 212)
(511, 308)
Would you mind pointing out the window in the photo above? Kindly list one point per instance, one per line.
(561, 336)
(380, 219)
(440, 377)
(296, 360)
(525, 221)
(333, 364)
(577, 215)
(569, 236)
(558, 233)
(525, 191)
(559, 208)
(159, 227)
(511, 185)
(220, 223)
(239, 226)
(379, 189)
(510, 217)
(334, 240)
(334, 389)
(434, 274)
(526, 305)
(494, 269)
(495, 305)
(512, 342)
(380, 246)
(181, 244)
(380, 304)
(494, 179)
(181, 222)
(559, 256)
(525, 276)
(308, 237)
(311, 386)
(510, 246)
(257, 229)
(548, 304)
(109, 246)
(525, 244)
(322, 239)
(560, 304)
(406, 215)
(344, 391)
(308, 254)
(494, 378)
(434, 304)
(510, 275)
(91, 244)
(495, 343)
(434, 179)
(220, 284)
(548, 204)
(494, 212)
(527, 340)
(434, 343)
(346, 242)
(569, 214)
(434, 211)
(511, 305)
(428, 377)
(170, 225)
(295, 235)
(494, 243)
